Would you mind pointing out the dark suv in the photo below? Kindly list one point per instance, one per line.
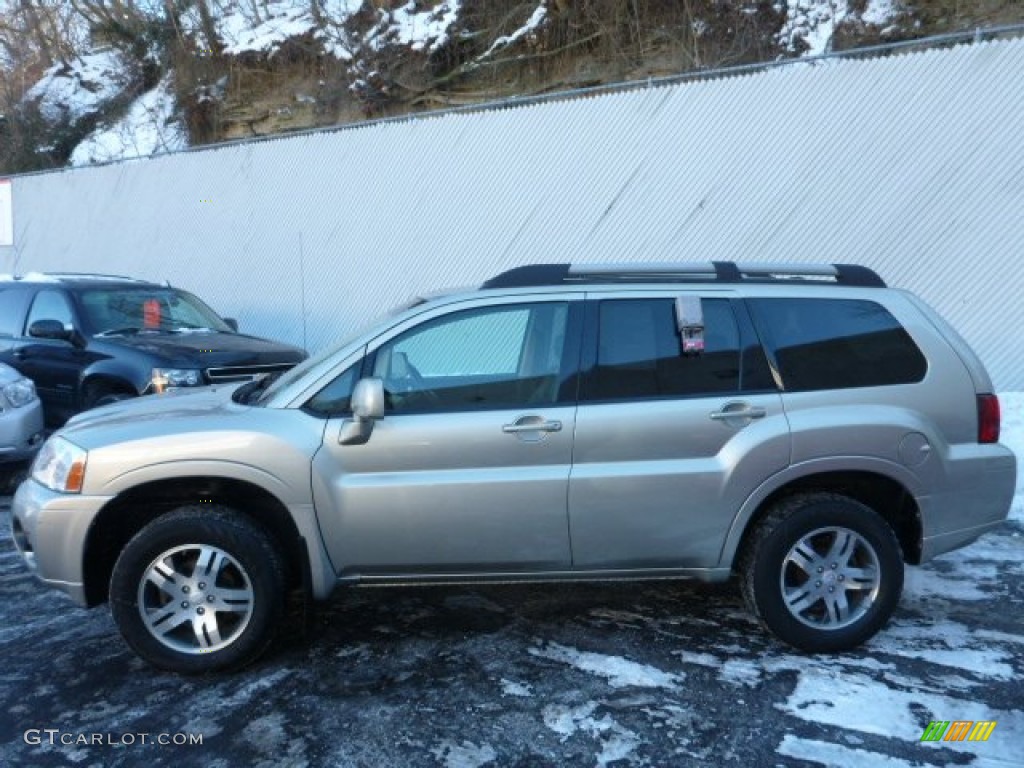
(88, 340)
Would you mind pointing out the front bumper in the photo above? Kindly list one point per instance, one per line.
(21, 432)
(50, 530)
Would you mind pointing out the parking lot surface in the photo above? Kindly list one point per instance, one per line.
(662, 673)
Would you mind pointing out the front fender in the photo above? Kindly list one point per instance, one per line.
(294, 496)
(114, 369)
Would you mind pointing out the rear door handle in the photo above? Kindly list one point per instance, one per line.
(18, 354)
(535, 426)
(744, 413)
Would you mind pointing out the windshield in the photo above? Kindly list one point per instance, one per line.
(144, 309)
(277, 382)
(272, 385)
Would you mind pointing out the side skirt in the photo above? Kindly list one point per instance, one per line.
(653, 574)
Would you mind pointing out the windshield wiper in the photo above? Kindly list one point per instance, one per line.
(185, 328)
(126, 331)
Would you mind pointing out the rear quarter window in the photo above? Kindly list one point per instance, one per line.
(837, 343)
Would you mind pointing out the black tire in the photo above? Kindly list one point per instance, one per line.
(11, 476)
(225, 616)
(788, 556)
(97, 395)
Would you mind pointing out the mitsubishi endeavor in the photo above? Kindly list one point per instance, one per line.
(802, 428)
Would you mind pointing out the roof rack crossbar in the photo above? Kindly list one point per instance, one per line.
(717, 272)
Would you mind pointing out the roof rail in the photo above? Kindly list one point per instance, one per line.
(92, 276)
(56, 277)
(686, 272)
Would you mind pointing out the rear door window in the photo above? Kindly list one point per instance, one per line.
(837, 343)
(50, 305)
(640, 353)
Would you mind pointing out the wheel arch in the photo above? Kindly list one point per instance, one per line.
(887, 492)
(108, 380)
(131, 510)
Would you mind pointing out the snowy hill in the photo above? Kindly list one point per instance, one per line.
(140, 82)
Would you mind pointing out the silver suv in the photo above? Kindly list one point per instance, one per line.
(803, 428)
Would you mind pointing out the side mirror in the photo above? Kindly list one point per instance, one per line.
(368, 399)
(50, 329)
(231, 323)
(367, 407)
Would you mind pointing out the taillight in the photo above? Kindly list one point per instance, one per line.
(988, 419)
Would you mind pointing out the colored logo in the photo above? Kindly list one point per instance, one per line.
(958, 730)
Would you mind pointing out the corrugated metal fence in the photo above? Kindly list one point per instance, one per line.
(911, 164)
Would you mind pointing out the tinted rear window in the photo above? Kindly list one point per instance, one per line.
(640, 353)
(838, 343)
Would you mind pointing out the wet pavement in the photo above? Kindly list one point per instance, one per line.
(657, 674)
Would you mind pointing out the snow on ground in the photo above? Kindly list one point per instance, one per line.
(617, 742)
(619, 672)
(148, 128)
(81, 88)
(464, 755)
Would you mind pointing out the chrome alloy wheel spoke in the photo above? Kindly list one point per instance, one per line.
(196, 598)
(830, 578)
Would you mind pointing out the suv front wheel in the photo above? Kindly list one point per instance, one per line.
(200, 589)
(822, 571)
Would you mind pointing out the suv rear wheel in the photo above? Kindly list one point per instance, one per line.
(822, 571)
(200, 589)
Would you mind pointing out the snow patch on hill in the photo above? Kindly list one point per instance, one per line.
(419, 29)
(79, 88)
(149, 127)
(284, 20)
(812, 23)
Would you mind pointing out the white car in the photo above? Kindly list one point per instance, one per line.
(21, 417)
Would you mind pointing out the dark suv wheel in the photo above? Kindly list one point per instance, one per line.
(198, 590)
(99, 394)
(822, 571)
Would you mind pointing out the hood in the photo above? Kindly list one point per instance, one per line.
(202, 349)
(178, 410)
(200, 431)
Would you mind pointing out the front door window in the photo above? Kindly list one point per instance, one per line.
(480, 359)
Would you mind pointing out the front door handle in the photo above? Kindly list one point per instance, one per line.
(18, 354)
(749, 412)
(522, 425)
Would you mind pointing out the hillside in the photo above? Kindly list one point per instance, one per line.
(100, 80)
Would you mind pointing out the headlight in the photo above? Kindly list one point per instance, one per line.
(20, 392)
(60, 466)
(172, 378)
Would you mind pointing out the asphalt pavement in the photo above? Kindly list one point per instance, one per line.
(654, 674)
